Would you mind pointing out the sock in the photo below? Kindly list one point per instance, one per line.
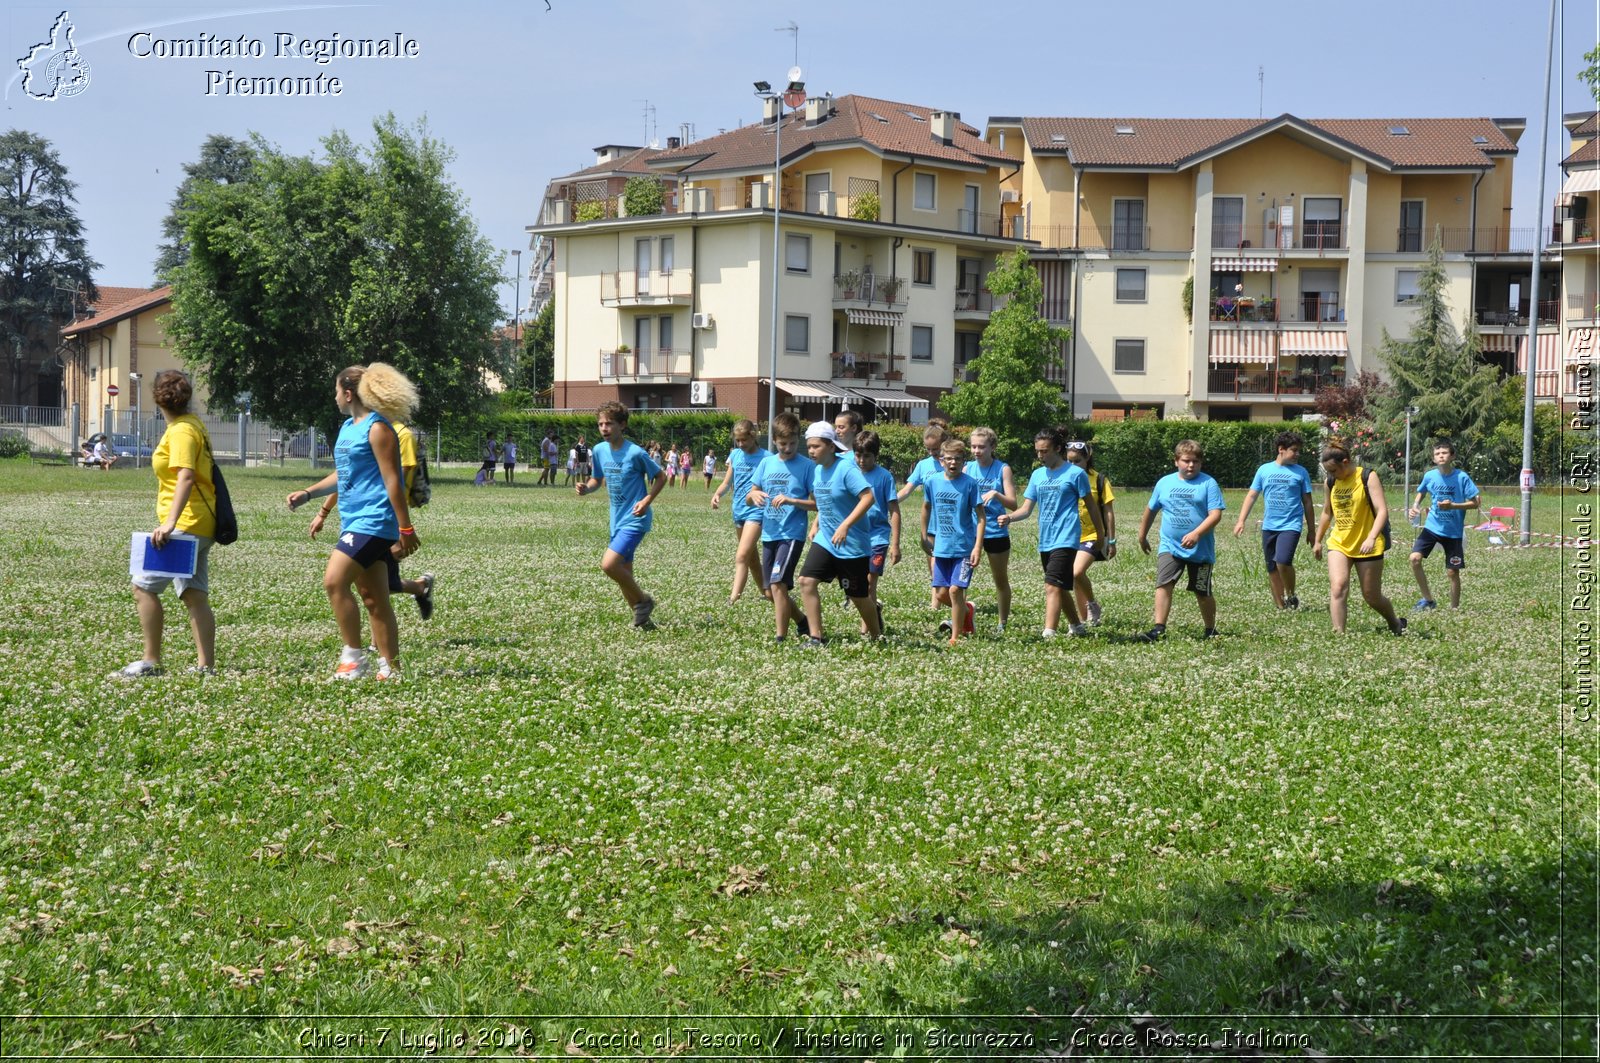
(351, 653)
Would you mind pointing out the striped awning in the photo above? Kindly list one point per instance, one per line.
(873, 317)
(889, 397)
(812, 389)
(1244, 265)
(1548, 357)
(1581, 181)
(1254, 346)
(1328, 343)
(1583, 345)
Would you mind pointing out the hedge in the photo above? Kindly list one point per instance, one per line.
(1138, 453)
(463, 437)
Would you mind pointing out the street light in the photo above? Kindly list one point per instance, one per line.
(794, 96)
(138, 423)
(1407, 495)
(516, 319)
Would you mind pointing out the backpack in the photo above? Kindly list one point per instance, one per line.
(583, 453)
(421, 492)
(227, 522)
(1361, 474)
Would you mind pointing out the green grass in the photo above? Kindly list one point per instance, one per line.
(1384, 847)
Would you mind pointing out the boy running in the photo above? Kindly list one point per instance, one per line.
(1191, 502)
(883, 518)
(952, 514)
(842, 498)
(1452, 492)
(999, 496)
(743, 460)
(633, 481)
(1286, 515)
(1055, 488)
(784, 476)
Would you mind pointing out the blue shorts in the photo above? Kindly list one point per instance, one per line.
(952, 572)
(625, 542)
(1453, 548)
(368, 550)
(1279, 547)
(877, 559)
(779, 559)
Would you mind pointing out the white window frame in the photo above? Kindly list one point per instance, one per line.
(796, 240)
(1144, 286)
(928, 331)
(1401, 298)
(788, 323)
(933, 265)
(1144, 355)
(916, 185)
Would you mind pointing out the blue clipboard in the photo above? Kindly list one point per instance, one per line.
(176, 559)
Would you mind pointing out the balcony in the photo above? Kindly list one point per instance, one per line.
(652, 365)
(979, 223)
(977, 305)
(1267, 383)
(859, 290)
(1244, 310)
(1481, 241)
(856, 365)
(1500, 320)
(673, 287)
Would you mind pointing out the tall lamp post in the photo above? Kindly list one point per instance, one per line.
(138, 420)
(794, 96)
(1407, 496)
(516, 320)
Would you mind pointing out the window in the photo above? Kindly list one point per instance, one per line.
(1321, 223)
(922, 343)
(1405, 286)
(968, 346)
(796, 334)
(666, 254)
(1410, 225)
(921, 266)
(1127, 225)
(1130, 285)
(1227, 221)
(664, 334)
(924, 191)
(969, 210)
(1129, 356)
(641, 265)
(797, 253)
(816, 185)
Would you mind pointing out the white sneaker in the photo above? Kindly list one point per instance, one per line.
(1000, 628)
(1094, 614)
(387, 672)
(1048, 633)
(140, 669)
(351, 667)
(1078, 631)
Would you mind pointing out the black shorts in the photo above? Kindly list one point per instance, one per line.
(1278, 548)
(1169, 568)
(488, 466)
(368, 550)
(779, 558)
(851, 572)
(999, 544)
(1057, 565)
(1454, 554)
(1093, 548)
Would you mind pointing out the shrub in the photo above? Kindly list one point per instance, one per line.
(865, 207)
(14, 445)
(643, 196)
(593, 210)
(1138, 453)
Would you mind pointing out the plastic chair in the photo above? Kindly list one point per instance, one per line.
(1498, 518)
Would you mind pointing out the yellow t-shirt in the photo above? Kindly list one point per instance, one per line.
(185, 445)
(408, 452)
(1101, 486)
(1352, 516)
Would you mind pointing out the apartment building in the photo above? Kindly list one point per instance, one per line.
(1230, 267)
(889, 216)
(1574, 321)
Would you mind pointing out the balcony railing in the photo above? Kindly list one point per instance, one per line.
(867, 290)
(1489, 240)
(981, 301)
(1549, 314)
(979, 223)
(1244, 310)
(649, 287)
(856, 365)
(651, 365)
(1309, 236)
(1266, 381)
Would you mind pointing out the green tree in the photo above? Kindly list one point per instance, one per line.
(223, 161)
(1590, 74)
(536, 361)
(367, 254)
(45, 268)
(1437, 370)
(1010, 393)
(643, 196)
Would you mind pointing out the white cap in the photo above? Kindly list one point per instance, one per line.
(824, 430)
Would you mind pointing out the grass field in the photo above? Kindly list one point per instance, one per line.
(1358, 846)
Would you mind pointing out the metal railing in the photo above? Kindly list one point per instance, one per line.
(980, 301)
(1243, 309)
(980, 223)
(647, 365)
(867, 290)
(1268, 381)
(1492, 240)
(656, 286)
(1549, 314)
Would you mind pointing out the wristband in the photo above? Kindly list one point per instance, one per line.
(408, 531)
(1111, 541)
(324, 511)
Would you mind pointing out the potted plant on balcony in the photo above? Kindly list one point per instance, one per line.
(890, 287)
(865, 207)
(849, 281)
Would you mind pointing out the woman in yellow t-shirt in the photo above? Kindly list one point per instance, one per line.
(1355, 508)
(1091, 547)
(186, 501)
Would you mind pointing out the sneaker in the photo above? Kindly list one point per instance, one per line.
(425, 599)
(641, 613)
(1211, 633)
(1153, 635)
(1048, 633)
(1078, 631)
(811, 644)
(1424, 604)
(387, 672)
(967, 625)
(1291, 602)
(1402, 630)
(355, 668)
(140, 669)
(780, 639)
(1095, 613)
(802, 626)
(1000, 628)
(945, 627)
(200, 670)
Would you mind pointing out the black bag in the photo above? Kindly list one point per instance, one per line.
(421, 492)
(227, 532)
(1361, 474)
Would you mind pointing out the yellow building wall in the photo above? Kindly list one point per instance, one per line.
(732, 292)
(1277, 170)
(1099, 191)
(1159, 321)
(1047, 185)
(1382, 312)
(1169, 212)
(109, 361)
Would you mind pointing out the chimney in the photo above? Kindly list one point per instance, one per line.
(943, 126)
(674, 142)
(771, 108)
(818, 108)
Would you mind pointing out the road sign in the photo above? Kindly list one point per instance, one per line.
(112, 390)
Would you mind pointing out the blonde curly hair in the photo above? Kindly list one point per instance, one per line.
(384, 388)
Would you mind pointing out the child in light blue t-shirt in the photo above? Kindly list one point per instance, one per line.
(1286, 486)
(634, 481)
(952, 518)
(1452, 493)
(743, 460)
(782, 480)
(1190, 503)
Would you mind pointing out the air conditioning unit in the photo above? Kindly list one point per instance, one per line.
(701, 392)
(1010, 195)
(702, 321)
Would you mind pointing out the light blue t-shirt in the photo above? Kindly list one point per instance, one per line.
(1283, 490)
(1457, 487)
(1056, 493)
(1184, 504)
(881, 481)
(364, 506)
(991, 479)
(954, 520)
(791, 478)
(837, 490)
(923, 471)
(744, 468)
(627, 472)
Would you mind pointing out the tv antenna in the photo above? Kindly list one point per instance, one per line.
(649, 121)
(1261, 91)
(793, 30)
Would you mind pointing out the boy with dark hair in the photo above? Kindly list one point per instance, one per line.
(633, 481)
(1286, 515)
(778, 483)
(1191, 503)
(952, 515)
(884, 517)
(744, 459)
(1451, 492)
(841, 496)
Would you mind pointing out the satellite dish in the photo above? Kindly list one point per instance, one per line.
(794, 73)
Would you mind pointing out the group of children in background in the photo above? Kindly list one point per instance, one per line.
(839, 499)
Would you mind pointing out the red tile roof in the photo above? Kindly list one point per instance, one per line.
(1173, 143)
(632, 162)
(881, 125)
(1589, 127)
(116, 304)
(1589, 153)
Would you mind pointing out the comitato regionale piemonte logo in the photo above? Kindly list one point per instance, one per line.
(55, 69)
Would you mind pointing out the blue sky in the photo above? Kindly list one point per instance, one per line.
(522, 94)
